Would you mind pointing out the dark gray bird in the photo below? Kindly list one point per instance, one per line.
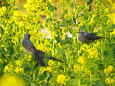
(86, 37)
(29, 47)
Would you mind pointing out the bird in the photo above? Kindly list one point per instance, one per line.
(86, 37)
(38, 54)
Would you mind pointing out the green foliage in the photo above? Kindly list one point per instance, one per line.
(84, 65)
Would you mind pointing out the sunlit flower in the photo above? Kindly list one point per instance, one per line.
(18, 62)
(113, 33)
(28, 57)
(2, 10)
(81, 60)
(51, 63)
(0, 60)
(43, 69)
(93, 53)
(76, 68)
(21, 23)
(108, 70)
(109, 81)
(84, 47)
(5, 49)
(86, 71)
(21, 48)
(2, 45)
(8, 68)
(19, 70)
(107, 10)
(61, 79)
(92, 19)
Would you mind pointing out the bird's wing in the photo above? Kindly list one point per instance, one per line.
(27, 44)
(91, 36)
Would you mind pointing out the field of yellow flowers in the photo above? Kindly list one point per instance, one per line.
(84, 65)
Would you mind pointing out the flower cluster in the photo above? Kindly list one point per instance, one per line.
(109, 81)
(61, 79)
(51, 63)
(19, 70)
(8, 68)
(108, 70)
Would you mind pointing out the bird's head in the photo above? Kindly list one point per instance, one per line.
(27, 36)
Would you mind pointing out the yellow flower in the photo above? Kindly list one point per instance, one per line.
(61, 79)
(28, 57)
(8, 68)
(21, 48)
(93, 53)
(108, 70)
(3, 8)
(18, 62)
(92, 19)
(86, 71)
(0, 35)
(84, 47)
(19, 70)
(112, 33)
(51, 63)
(76, 68)
(5, 49)
(81, 60)
(109, 81)
(21, 24)
(43, 69)
(0, 60)
(107, 10)
(2, 45)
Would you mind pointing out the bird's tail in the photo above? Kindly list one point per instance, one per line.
(105, 37)
(39, 60)
(55, 59)
(100, 37)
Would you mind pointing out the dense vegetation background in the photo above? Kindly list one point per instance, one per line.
(84, 65)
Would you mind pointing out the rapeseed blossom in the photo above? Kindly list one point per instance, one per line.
(51, 63)
(19, 70)
(93, 53)
(61, 79)
(76, 68)
(43, 69)
(28, 57)
(8, 68)
(108, 70)
(2, 10)
(112, 33)
(81, 60)
(109, 81)
(84, 47)
(18, 62)
(0, 60)
(92, 19)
